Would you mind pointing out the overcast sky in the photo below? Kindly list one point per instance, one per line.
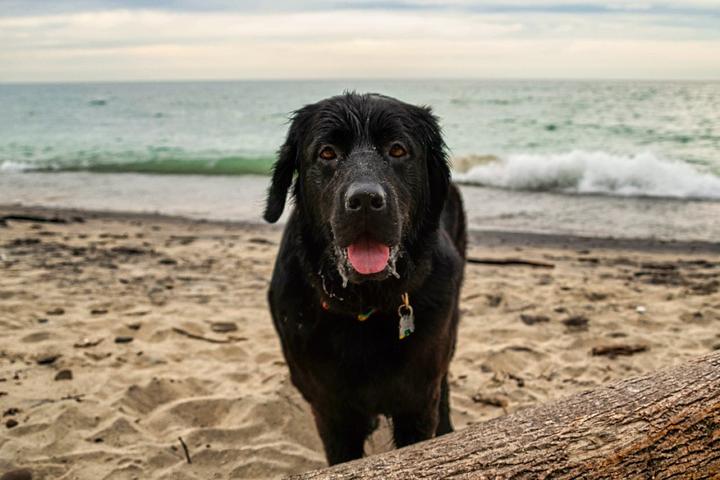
(88, 40)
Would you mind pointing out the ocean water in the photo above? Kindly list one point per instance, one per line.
(582, 141)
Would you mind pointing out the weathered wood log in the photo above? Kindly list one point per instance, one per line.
(662, 425)
(32, 218)
(509, 261)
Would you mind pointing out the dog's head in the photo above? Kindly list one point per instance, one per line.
(372, 175)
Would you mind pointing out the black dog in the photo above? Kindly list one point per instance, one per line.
(364, 295)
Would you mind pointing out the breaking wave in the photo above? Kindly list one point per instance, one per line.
(643, 174)
(579, 172)
(223, 165)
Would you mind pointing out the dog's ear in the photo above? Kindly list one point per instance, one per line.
(287, 164)
(438, 169)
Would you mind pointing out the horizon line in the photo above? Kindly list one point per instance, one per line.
(356, 79)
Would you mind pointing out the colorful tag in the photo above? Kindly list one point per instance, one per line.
(364, 316)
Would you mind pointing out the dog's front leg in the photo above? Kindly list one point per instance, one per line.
(342, 431)
(444, 423)
(417, 423)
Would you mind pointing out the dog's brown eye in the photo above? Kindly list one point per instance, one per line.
(397, 151)
(327, 153)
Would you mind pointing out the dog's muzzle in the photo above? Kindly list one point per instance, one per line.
(366, 230)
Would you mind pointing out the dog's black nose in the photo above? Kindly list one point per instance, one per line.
(365, 197)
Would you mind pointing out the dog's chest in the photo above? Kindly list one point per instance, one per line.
(365, 361)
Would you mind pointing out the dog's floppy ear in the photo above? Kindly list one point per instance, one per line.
(437, 163)
(287, 164)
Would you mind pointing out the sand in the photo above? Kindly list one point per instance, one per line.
(122, 334)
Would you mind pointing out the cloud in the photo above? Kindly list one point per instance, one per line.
(144, 43)
(37, 7)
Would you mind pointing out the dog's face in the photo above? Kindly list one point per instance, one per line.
(372, 173)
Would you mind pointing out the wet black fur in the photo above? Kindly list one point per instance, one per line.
(349, 371)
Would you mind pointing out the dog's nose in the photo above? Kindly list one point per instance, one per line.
(365, 197)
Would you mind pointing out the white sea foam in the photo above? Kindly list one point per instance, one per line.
(11, 166)
(643, 174)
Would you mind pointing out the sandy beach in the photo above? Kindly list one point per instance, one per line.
(126, 337)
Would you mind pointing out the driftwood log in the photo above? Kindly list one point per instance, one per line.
(662, 425)
(509, 262)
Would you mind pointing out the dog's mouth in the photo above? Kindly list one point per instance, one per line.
(366, 259)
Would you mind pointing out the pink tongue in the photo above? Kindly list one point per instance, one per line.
(368, 256)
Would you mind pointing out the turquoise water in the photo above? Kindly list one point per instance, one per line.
(610, 137)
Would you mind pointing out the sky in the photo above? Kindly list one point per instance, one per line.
(122, 40)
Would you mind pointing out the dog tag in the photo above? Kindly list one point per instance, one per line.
(407, 321)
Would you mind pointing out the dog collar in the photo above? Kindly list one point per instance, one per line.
(405, 311)
(361, 317)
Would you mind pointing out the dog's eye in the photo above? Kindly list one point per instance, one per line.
(397, 151)
(327, 153)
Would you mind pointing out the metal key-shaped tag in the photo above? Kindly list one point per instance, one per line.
(407, 319)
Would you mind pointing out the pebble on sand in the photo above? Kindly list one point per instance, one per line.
(223, 327)
(19, 474)
(64, 375)
(533, 319)
(576, 323)
(47, 359)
